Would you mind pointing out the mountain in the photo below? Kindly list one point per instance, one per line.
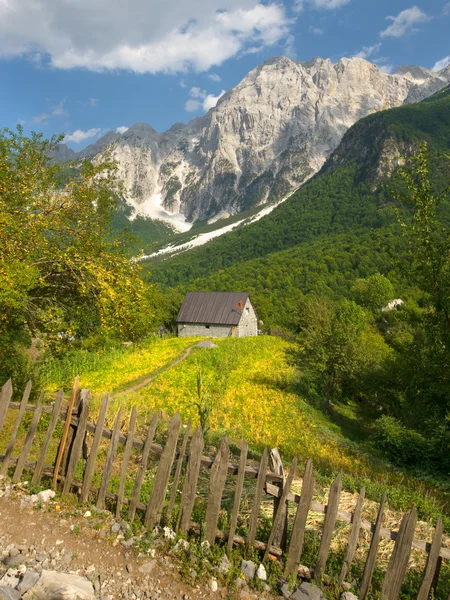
(265, 138)
(339, 226)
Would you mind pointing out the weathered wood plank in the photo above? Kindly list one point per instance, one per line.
(398, 563)
(28, 440)
(77, 444)
(90, 465)
(12, 439)
(432, 561)
(110, 456)
(328, 527)
(354, 536)
(346, 516)
(276, 464)
(217, 481)
(5, 397)
(65, 434)
(125, 461)
(278, 520)
(176, 477)
(260, 482)
(142, 468)
(37, 475)
(190, 481)
(369, 567)
(161, 481)
(237, 495)
(298, 529)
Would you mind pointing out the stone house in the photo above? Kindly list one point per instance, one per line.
(217, 314)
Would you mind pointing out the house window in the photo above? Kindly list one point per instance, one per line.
(247, 310)
(207, 326)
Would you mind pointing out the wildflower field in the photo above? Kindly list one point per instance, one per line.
(251, 391)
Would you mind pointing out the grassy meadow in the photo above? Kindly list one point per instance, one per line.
(252, 392)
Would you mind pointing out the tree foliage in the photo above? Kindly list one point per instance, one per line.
(60, 276)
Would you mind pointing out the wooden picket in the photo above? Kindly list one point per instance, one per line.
(187, 464)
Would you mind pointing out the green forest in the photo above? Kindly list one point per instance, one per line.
(320, 268)
(370, 228)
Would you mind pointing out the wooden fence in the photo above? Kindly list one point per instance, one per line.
(180, 462)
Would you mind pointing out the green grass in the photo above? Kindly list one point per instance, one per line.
(254, 394)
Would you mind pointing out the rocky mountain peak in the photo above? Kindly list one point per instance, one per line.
(264, 138)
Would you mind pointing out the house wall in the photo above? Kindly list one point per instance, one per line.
(196, 329)
(248, 325)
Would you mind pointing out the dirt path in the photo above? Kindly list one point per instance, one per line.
(68, 539)
(152, 376)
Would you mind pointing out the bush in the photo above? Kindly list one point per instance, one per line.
(400, 445)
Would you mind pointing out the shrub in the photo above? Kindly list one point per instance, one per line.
(400, 445)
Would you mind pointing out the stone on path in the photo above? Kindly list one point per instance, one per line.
(308, 591)
(60, 586)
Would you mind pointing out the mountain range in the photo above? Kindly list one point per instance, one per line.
(263, 140)
(338, 227)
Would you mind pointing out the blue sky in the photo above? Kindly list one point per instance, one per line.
(85, 67)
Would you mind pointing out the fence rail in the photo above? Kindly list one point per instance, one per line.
(181, 463)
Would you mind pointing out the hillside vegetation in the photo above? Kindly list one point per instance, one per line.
(344, 217)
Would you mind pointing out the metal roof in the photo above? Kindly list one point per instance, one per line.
(212, 308)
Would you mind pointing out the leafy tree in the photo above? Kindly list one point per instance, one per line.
(337, 347)
(374, 292)
(428, 242)
(60, 277)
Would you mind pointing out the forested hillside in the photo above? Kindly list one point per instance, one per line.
(338, 227)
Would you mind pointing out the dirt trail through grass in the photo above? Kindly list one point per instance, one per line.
(149, 377)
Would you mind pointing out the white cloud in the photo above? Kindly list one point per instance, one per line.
(144, 36)
(80, 136)
(316, 30)
(404, 22)
(441, 64)
(121, 129)
(320, 4)
(192, 105)
(93, 102)
(446, 10)
(215, 77)
(210, 101)
(386, 69)
(367, 51)
(196, 92)
(41, 119)
(59, 110)
(200, 99)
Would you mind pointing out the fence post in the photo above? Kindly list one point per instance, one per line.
(161, 481)
(125, 461)
(260, 483)
(190, 481)
(112, 449)
(78, 439)
(237, 495)
(328, 526)
(90, 465)
(5, 397)
(298, 529)
(432, 562)
(217, 481)
(354, 536)
(142, 468)
(280, 516)
(276, 465)
(12, 439)
(37, 475)
(369, 567)
(176, 477)
(398, 562)
(28, 440)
